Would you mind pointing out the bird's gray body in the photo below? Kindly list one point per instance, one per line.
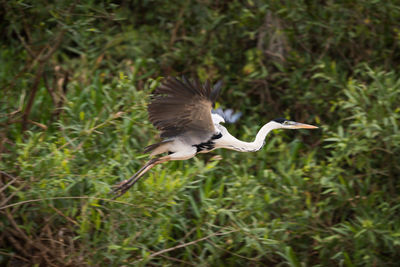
(181, 110)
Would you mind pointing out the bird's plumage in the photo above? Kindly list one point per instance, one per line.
(179, 106)
(182, 111)
(228, 115)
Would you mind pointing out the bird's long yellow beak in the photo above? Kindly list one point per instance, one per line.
(304, 126)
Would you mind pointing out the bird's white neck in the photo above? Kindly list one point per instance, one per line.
(230, 142)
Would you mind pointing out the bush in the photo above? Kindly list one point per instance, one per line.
(75, 82)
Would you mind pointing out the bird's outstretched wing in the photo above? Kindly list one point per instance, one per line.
(180, 106)
(227, 114)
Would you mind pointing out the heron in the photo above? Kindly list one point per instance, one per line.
(182, 110)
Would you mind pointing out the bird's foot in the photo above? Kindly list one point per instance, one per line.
(120, 188)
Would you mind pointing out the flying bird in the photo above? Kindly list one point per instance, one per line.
(182, 111)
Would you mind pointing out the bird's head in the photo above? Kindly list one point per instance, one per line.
(287, 124)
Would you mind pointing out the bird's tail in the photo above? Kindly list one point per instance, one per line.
(158, 148)
(125, 185)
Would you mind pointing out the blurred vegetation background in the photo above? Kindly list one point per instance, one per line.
(75, 78)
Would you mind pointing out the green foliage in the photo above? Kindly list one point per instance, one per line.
(75, 79)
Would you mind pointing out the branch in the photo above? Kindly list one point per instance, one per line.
(186, 244)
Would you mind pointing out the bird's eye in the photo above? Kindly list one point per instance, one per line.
(285, 123)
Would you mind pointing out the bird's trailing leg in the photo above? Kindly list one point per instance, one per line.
(122, 188)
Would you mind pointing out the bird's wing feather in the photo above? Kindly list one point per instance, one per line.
(181, 106)
(227, 115)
